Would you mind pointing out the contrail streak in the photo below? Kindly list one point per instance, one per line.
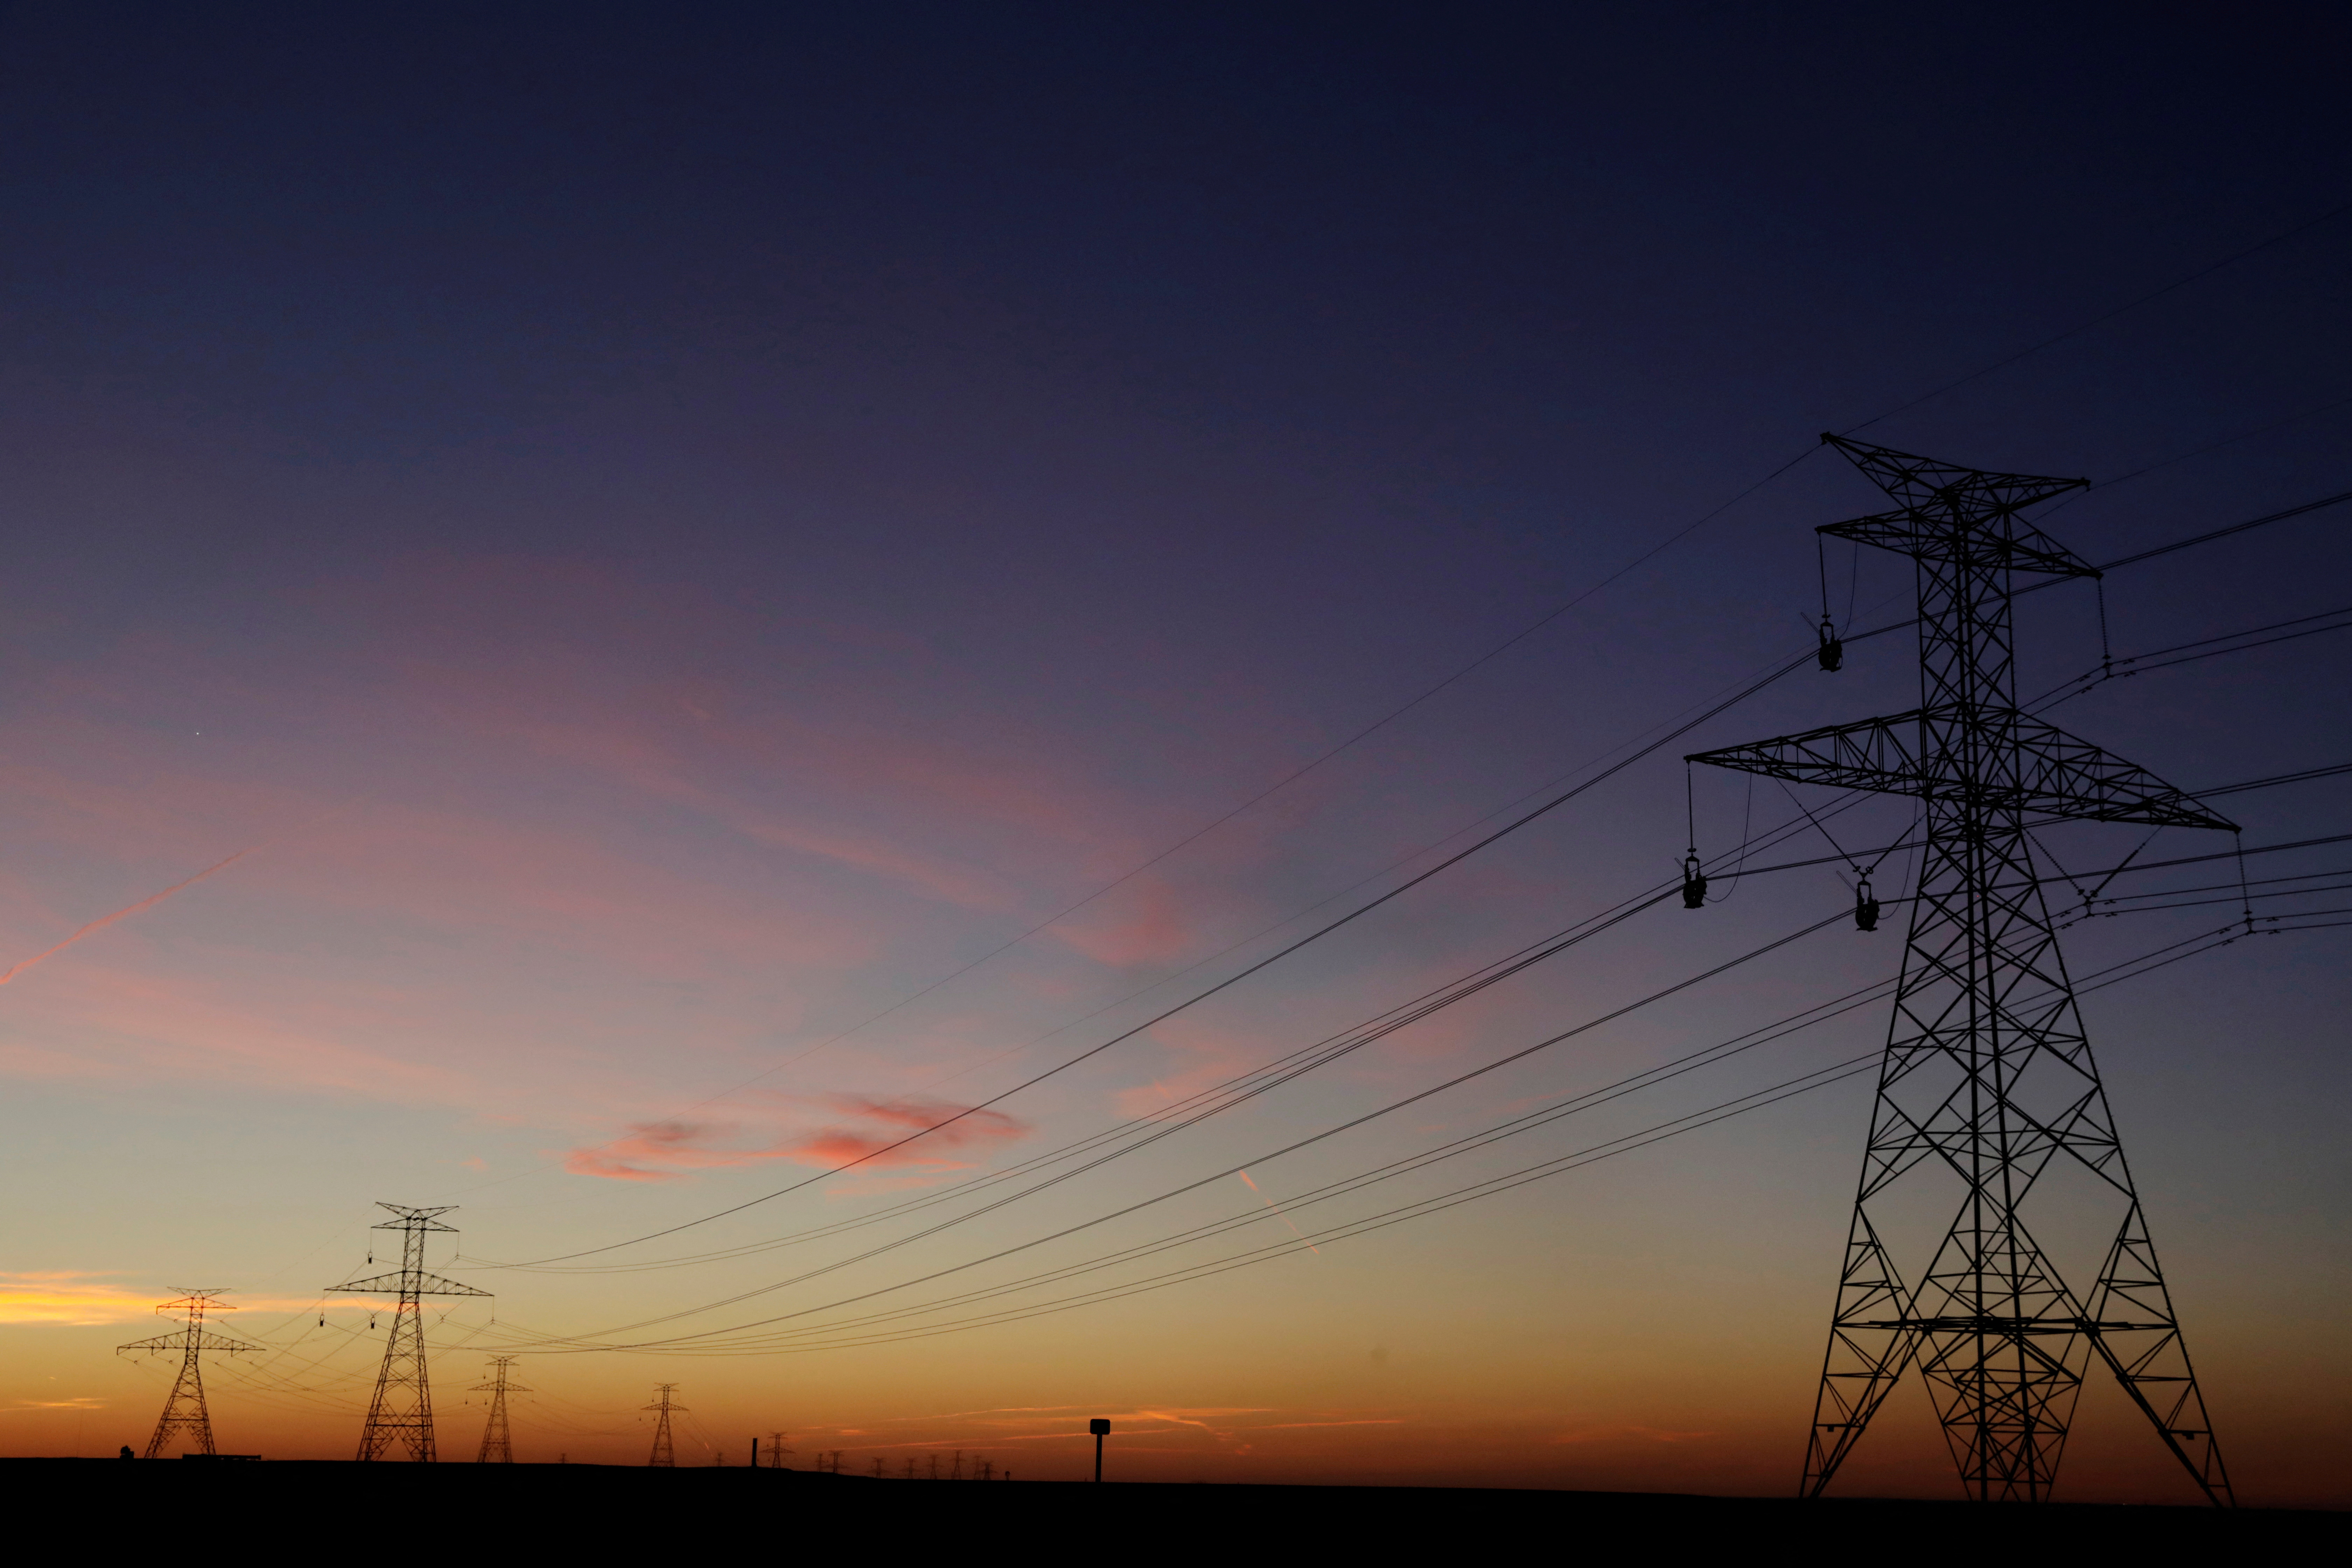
(1244, 1176)
(104, 921)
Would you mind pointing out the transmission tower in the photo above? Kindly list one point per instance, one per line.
(776, 1450)
(663, 1456)
(185, 1413)
(497, 1445)
(401, 1410)
(1988, 1093)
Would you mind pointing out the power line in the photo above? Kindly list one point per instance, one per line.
(1348, 1125)
(2277, 779)
(1712, 711)
(2145, 964)
(2190, 543)
(2135, 664)
(1281, 784)
(1317, 935)
(2149, 866)
(1219, 1097)
(1503, 647)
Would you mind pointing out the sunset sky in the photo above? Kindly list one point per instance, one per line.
(630, 602)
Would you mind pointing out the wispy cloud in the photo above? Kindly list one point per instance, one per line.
(1642, 1434)
(1144, 923)
(80, 1298)
(856, 1129)
(103, 921)
(68, 1298)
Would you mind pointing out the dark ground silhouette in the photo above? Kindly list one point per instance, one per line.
(337, 1507)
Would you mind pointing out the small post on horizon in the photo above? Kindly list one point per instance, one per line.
(1100, 1428)
(755, 1453)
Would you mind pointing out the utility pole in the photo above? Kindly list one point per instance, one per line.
(497, 1447)
(1100, 1428)
(665, 1457)
(1988, 1081)
(401, 1410)
(184, 1413)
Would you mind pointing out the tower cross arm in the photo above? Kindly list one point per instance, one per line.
(1964, 516)
(2055, 775)
(204, 1339)
(424, 1285)
(2014, 546)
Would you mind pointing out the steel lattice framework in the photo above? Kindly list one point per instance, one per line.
(186, 1415)
(497, 1443)
(665, 1457)
(1988, 1086)
(401, 1410)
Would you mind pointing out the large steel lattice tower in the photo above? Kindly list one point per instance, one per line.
(497, 1443)
(401, 1410)
(664, 1456)
(186, 1416)
(1990, 1107)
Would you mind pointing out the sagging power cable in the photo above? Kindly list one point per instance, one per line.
(1713, 710)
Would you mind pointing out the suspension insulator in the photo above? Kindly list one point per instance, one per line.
(1865, 908)
(1832, 652)
(1694, 884)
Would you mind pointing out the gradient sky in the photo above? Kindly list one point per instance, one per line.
(656, 534)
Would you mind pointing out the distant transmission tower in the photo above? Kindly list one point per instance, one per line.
(185, 1413)
(401, 1410)
(498, 1446)
(776, 1450)
(665, 1457)
(1988, 1095)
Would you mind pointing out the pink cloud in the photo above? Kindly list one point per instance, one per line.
(125, 1024)
(1141, 924)
(569, 773)
(547, 885)
(652, 770)
(1202, 1055)
(671, 1150)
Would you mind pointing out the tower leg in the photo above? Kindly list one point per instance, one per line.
(184, 1414)
(2136, 1333)
(401, 1410)
(1865, 1358)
